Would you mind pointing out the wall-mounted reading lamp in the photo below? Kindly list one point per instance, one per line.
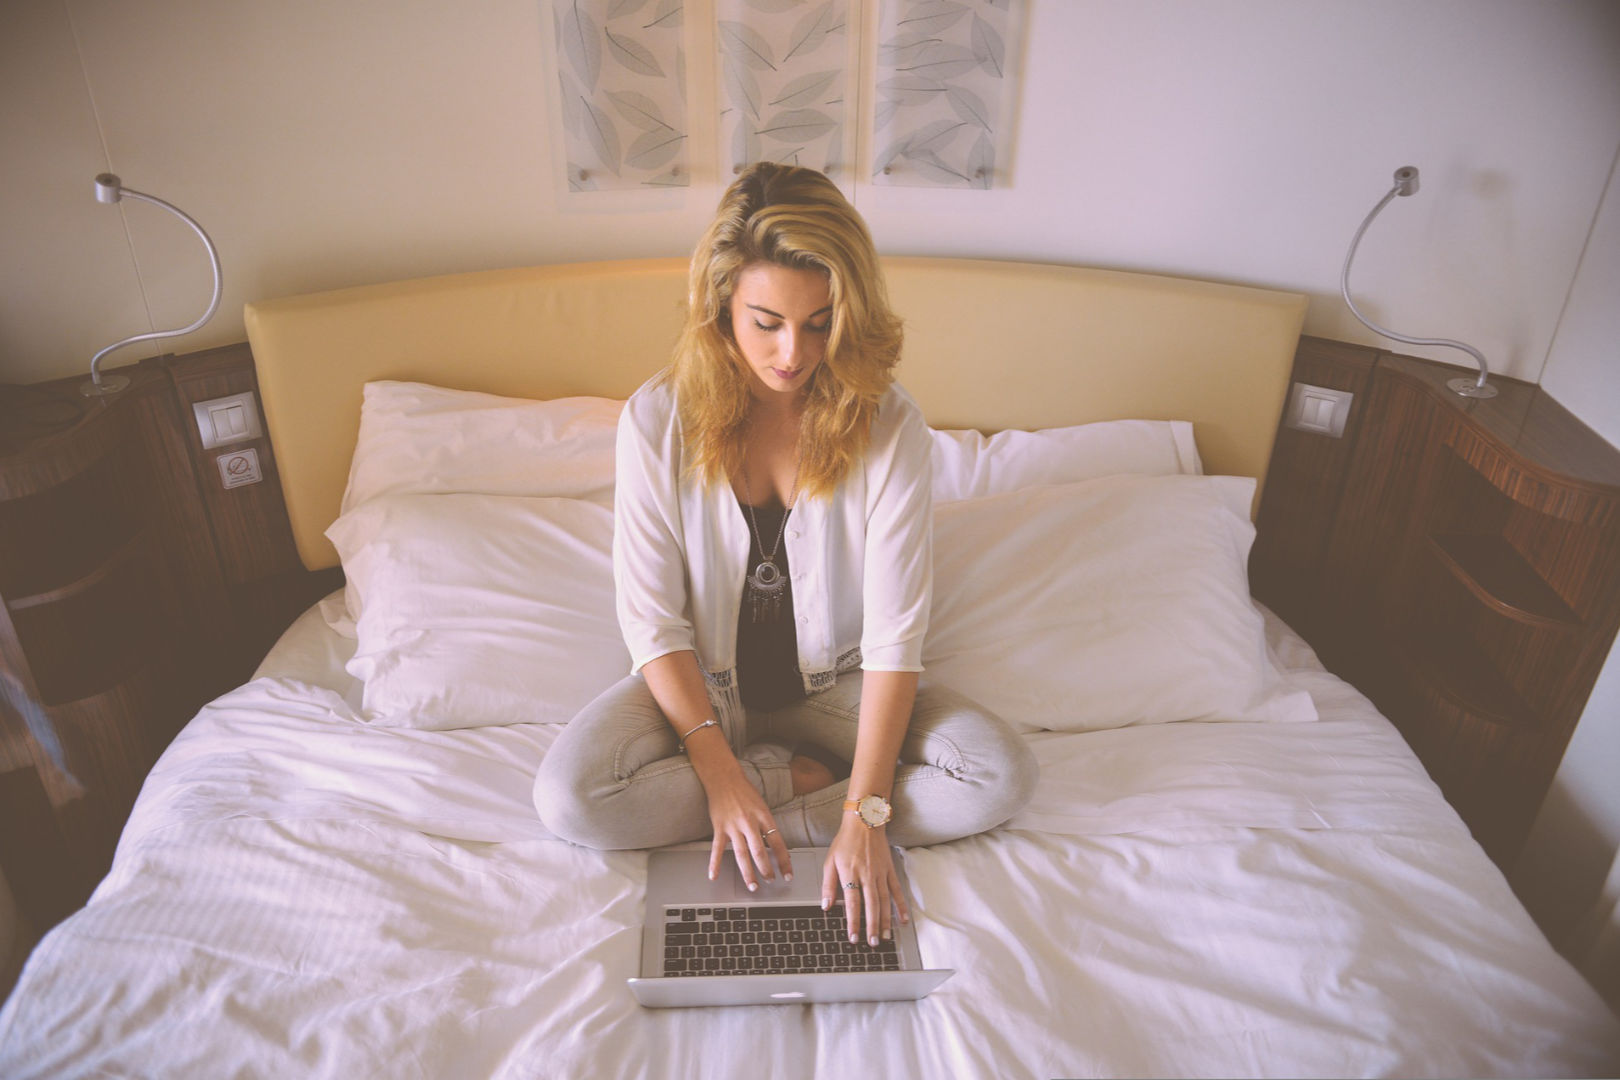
(109, 189)
(1406, 183)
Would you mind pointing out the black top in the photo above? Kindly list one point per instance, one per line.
(767, 647)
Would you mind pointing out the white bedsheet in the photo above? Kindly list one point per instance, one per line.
(298, 894)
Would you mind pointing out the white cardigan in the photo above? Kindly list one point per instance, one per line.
(861, 560)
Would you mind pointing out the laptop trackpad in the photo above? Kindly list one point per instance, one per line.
(682, 877)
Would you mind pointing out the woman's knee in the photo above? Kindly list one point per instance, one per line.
(1021, 772)
(582, 771)
(984, 750)
(596, 818)
(564, 806)
(661, 803)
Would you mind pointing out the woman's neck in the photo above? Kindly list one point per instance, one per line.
(778, 400)
(776, 414)
(771, 454)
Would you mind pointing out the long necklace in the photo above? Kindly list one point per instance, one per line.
(766, 583)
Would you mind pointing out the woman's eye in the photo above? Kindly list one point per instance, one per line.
(768, 328)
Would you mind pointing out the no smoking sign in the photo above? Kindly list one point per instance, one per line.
(239, 467)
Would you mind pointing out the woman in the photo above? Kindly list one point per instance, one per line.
(772, 554)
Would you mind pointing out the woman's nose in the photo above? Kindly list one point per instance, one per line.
(796, 346)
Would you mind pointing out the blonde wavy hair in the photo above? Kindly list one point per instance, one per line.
(792, 217)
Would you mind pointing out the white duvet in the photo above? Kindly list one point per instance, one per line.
(300, 894)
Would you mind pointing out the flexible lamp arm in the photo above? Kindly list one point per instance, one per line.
(1406, 183)
(110, 190)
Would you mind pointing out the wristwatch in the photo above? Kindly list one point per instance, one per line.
(873, 810)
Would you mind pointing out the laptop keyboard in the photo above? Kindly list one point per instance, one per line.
(767, 940)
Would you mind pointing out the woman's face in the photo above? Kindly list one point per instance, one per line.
(780, 318)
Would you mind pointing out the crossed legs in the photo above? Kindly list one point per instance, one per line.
(614, 779)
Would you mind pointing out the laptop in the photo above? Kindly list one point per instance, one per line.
(715, 943)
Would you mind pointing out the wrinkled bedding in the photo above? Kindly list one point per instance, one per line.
(300, 894)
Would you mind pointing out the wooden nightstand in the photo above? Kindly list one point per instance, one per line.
(1459, 561)
(133, 588)
(87, 633)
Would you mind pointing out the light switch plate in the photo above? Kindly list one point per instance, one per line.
(226, 420)
(1318, 409)
(239, 467)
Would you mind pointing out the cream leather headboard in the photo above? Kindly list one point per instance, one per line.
(990, 345)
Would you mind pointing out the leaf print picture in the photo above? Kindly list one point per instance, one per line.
(784, 83)
(621, 72)
(940, 116)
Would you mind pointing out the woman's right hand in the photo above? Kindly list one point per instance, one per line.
(743, 822)
(737, 812)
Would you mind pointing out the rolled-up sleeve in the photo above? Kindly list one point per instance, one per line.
(649, 565)
(898, 578)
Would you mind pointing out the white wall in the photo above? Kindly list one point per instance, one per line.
(1574, 841)
(332, 142)
(1583, 369)
(335, 142)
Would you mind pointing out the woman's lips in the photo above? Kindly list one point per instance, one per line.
(785, 376)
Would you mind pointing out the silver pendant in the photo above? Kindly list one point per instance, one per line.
(765, 587)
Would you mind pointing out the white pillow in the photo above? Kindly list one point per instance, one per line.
(421, 439)
(480, 609)
(1111, 602)
(970, 465)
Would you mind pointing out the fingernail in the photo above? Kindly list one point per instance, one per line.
(873, 939)
(752, 886)
(888, 935)
(854, 939)
(787, 877)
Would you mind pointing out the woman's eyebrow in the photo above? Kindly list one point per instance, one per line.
(776, 315)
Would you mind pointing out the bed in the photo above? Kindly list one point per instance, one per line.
(1232, 865)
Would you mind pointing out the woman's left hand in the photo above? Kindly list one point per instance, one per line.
(861, 857)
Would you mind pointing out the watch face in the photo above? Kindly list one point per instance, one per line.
(874, 811)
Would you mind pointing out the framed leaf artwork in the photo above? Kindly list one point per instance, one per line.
(785, 83)
(944, 98)
(621, 69)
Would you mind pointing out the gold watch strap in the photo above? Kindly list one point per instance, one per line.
(855, 805)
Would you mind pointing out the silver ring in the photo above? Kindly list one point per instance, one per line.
(852, 884)
(766, 833)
